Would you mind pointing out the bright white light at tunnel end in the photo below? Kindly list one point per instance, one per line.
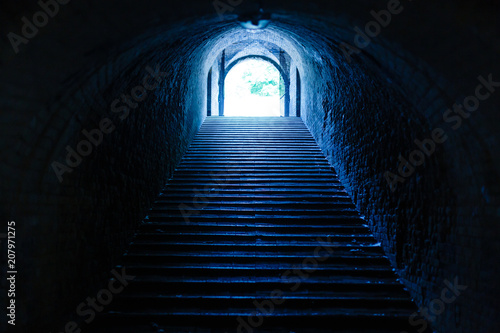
(253, 88)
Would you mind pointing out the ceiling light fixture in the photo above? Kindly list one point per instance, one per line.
(255, 21)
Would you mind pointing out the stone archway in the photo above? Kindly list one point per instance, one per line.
(285, 108)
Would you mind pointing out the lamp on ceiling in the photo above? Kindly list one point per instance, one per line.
(255, 20)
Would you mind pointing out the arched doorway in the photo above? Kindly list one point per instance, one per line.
(259, 88)
(254, 87)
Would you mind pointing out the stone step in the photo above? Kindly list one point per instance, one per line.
(254, 209)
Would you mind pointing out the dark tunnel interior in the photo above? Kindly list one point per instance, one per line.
(100, 101)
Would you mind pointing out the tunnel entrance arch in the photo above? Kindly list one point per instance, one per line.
(260, 90)
(283, 73)
(257, 49)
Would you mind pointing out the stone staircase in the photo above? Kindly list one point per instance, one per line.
(255, 233)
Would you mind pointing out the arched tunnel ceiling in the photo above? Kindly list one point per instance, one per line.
(291, 28)
(252, 47)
